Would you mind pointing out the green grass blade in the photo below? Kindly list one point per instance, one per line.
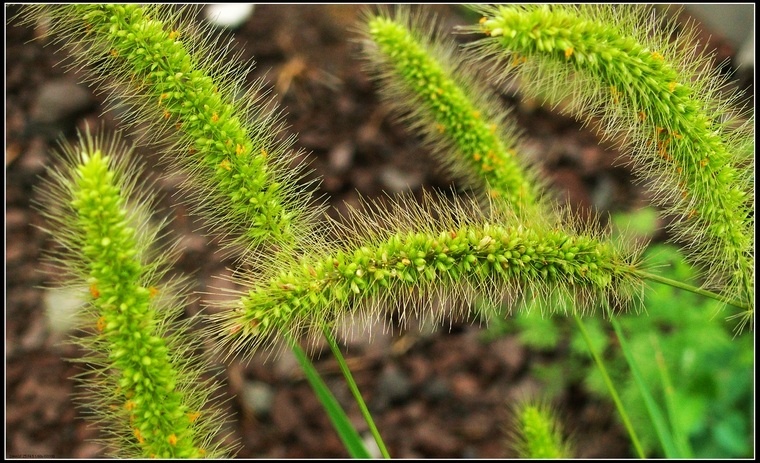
(357, 395)
(346, 431)
(679, 435)
(658, 421)
(610, 387)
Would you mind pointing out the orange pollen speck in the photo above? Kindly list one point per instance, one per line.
(704, 162)
(239, 149)
(477, 157)
(642, 115)
(225, 165)
(101, 325)
(172, 440)
(152, 291)
(94, 291)
(214, 117)
(167, 114)
(193, 416)
(114, 52)
(482, 20)
(173, 35)
(568, 52)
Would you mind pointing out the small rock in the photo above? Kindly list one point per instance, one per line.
(394, 386)
(397, 181)
(56, 107)
(341, 156)
(230, 16)
(257, 397)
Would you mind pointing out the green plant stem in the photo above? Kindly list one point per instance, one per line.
(655, 415)
(691, 288)
(346, 431)
(611, 387)
(680, 439)
(355, 391)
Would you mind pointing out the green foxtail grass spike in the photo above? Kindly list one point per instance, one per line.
(421, 79)
(693, 144)
(143, 381)
(240, 175)
(411, 257)
(536, 433)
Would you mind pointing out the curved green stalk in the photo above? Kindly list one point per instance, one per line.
(238, 171)
(152, 398)
(611, 387)
(693, 289)
(346, 431)
(355, 392)
(655, 415)
(657, 97)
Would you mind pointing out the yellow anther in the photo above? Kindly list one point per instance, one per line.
(225, 165)
(101, 324)
(568, 52)
(94, 291)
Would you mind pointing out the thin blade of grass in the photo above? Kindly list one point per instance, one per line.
(346, 431)
(655, 414)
